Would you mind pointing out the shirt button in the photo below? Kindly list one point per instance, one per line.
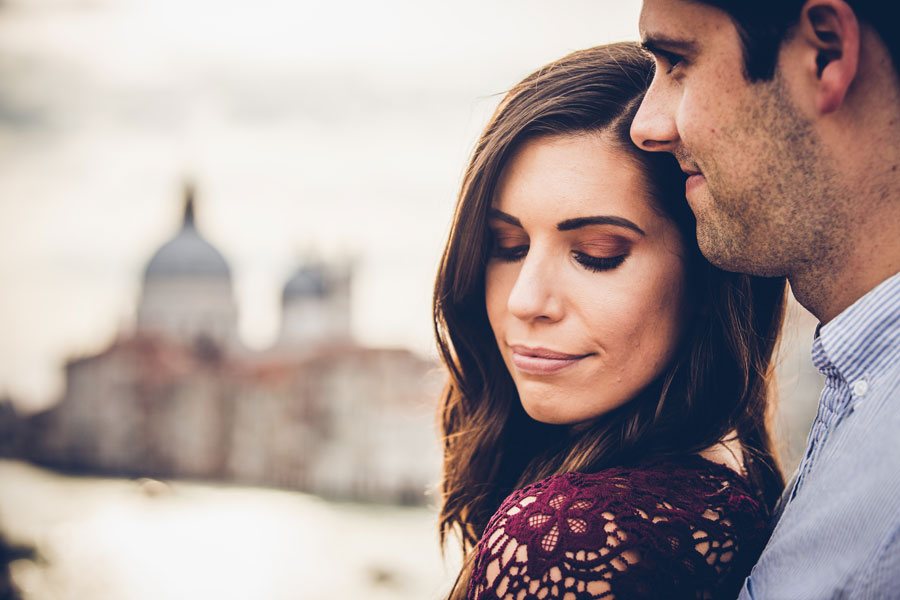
(860, 387)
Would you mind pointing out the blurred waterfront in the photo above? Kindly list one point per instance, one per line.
(106, 539)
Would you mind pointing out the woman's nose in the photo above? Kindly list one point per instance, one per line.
(537, 293)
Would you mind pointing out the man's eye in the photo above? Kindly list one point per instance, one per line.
(670, 60)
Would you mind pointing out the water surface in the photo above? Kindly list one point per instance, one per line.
(107, 539)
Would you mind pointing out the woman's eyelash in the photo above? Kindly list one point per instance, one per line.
(599, 263)
(509, 253)
(592, 263)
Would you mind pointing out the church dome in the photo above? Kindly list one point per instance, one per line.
(188, 254)
(308, 280)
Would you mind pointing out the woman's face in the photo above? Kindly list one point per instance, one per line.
(585, 287)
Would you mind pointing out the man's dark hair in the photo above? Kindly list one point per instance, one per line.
(763, 25)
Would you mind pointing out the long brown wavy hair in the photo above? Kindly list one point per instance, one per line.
(717, 384)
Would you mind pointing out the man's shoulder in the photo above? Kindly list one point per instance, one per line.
(833, 554)
(845, 517)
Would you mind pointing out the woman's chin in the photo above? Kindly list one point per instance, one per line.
(549, 413)
(567, 408)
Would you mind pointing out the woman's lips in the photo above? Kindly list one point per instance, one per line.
(541, 361)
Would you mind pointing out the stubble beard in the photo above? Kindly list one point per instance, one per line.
(772, 205)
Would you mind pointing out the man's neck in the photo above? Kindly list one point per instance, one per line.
(827, 289)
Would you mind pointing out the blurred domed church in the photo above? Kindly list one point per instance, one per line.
(179, 396)
(187, 290)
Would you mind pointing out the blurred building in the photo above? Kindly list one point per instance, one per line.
(187, 292)
(180, 396)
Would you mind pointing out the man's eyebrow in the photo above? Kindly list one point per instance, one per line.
(660, 44)
(570, 224)
(502, 216)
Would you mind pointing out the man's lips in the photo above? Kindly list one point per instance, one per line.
(686, 163)
(542, 361)
(695, 179)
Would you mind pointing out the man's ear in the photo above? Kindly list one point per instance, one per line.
(831, 32)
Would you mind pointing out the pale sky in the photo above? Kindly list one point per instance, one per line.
(334, 128)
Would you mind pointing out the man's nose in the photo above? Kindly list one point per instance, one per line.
(654, 128)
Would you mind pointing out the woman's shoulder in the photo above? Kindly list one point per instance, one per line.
(687, 487)
(691, 476)
(626, 531)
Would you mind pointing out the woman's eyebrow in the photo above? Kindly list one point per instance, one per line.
(570, 224)
(502, 216)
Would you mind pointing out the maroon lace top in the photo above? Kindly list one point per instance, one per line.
(679, 528)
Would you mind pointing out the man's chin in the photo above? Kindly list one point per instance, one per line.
(734, 255)
(717, 248)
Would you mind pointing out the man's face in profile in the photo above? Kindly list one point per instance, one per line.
(744, 146)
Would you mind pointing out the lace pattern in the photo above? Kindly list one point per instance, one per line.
(684, 528)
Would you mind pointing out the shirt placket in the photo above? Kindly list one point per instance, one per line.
(836, 395)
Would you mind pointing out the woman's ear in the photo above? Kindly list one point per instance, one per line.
(830, 32)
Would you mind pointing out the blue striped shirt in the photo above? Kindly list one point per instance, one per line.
(838, 532)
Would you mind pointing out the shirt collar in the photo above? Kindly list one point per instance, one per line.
(861, 338)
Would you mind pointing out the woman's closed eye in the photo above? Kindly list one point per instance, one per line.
(514, 253)
(592, 263)
(509, 253)
(509, 246)
(603, 252)
(598, 263)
